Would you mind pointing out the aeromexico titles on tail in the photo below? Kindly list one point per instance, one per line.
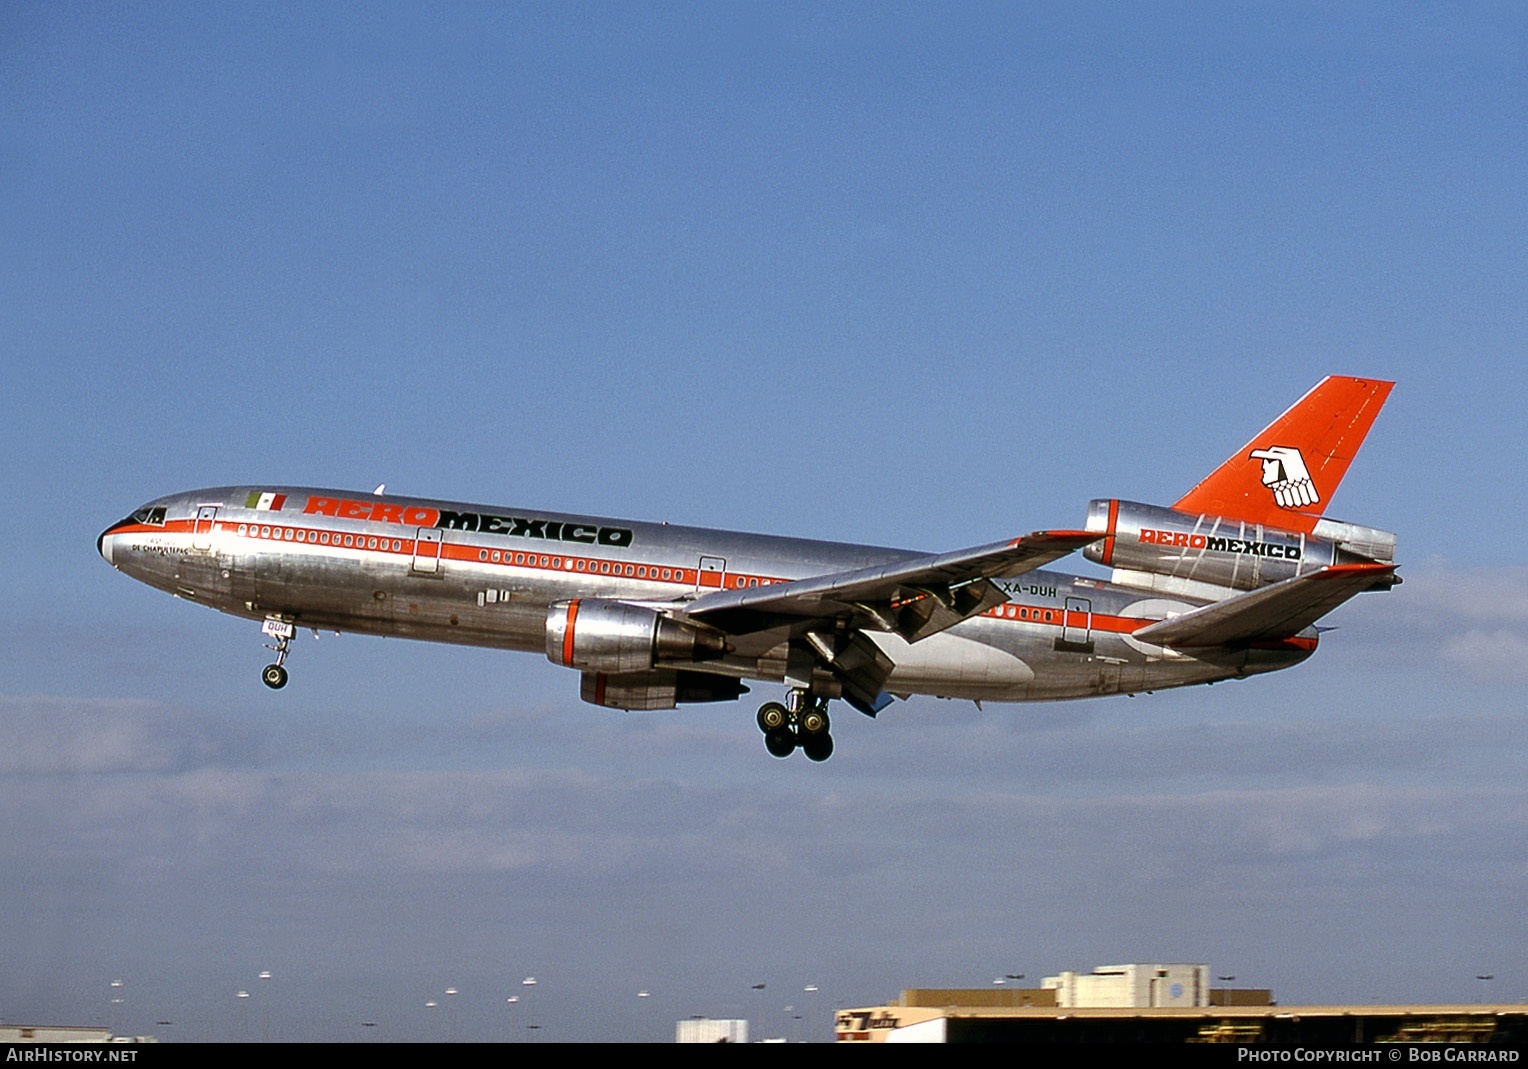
(1227, 582)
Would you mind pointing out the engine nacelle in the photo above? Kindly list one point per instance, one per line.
(1164, 549)
(663, 688)
(599, 635)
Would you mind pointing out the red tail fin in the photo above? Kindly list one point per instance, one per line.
(1286, 475)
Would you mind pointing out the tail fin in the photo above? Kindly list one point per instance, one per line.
(1285, 476)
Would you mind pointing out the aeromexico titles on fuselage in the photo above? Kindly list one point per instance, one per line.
(1218, 544)
(342, 508)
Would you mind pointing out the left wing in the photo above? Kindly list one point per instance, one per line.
(824, 617)
(914, 598)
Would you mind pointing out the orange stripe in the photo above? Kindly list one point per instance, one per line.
(169, 527)
(1101, 622)
(470, 553)
(567, 635)
(1109, 541)
(467, 553)
(475, 554)
(1121, 625)
(454, 551)
(1296, 642)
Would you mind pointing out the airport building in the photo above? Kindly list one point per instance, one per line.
(26, 1033)
(1133, 985)
(1163, 1004)
(711, 1030)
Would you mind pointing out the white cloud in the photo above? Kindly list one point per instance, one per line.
(941, 828)
(1473, 620)
(50, 735)
(1491, 595)
(1498, 655)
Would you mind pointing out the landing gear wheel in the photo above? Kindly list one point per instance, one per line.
(780, 742)
(772, 717)
(813, 720)
(818, 747)
(283, 631)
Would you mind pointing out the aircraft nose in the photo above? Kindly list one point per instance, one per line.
(103, 545)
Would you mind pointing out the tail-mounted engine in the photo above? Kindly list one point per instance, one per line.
(1163, 549)
(598, 635)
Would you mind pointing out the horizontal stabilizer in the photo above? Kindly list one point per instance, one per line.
(1275, 612)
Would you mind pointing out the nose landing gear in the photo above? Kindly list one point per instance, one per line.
(803, 722)
(275, 675)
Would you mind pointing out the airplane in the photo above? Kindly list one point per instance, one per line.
(1227, 582)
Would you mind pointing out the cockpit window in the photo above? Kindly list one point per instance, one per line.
(151, 517)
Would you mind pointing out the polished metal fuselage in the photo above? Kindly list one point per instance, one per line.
(486, 576)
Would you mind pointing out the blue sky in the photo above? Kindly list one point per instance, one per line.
(895, 274)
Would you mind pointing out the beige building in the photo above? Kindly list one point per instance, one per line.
(1124, 986)
(1007, 1015)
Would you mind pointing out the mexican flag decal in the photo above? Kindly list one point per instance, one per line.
(265, 502)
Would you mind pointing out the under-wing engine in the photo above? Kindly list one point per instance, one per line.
(601, 635)
(662, 688)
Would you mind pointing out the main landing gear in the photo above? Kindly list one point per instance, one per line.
(802, 722)
(274, 675)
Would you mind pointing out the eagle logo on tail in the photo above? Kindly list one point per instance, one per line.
(1284, 473)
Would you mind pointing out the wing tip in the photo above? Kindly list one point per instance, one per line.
(1342, 571)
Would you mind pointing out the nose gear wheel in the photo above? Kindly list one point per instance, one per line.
(283, 631)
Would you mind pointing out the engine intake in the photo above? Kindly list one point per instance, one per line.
(598, 635)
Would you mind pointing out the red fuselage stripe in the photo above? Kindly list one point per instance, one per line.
(1012, 611)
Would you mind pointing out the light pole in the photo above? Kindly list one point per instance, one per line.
(1485, 983)
(243, 997)
(265, 1007)
(1225, 997)
(642, 996)
(762, 1010)
(450, 1015)
(531, 1027)
(116, 1007)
